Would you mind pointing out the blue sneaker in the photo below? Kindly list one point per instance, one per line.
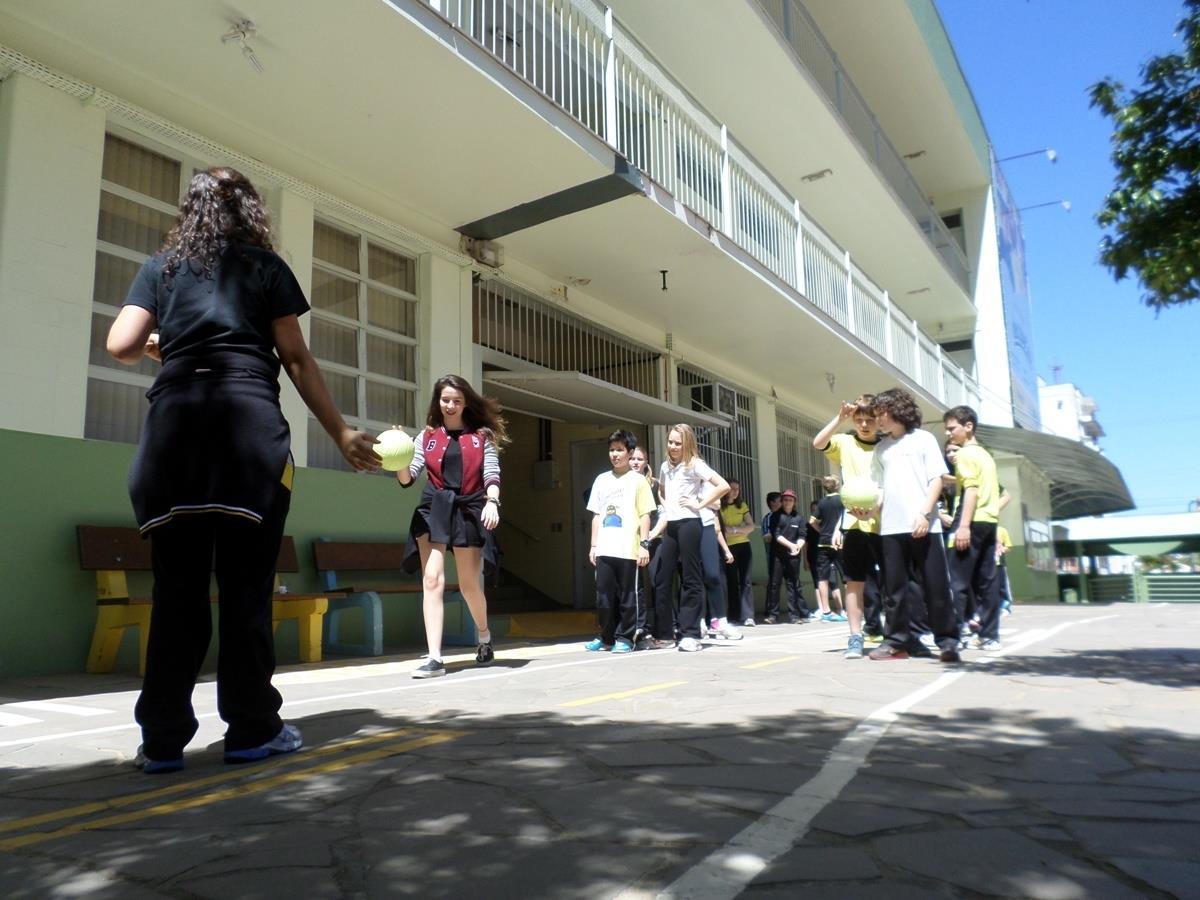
(622, 647)
(288, 740)
(156, 766)
(595, 644)
(839, 617)
(828, 617)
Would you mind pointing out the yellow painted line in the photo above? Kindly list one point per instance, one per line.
(621, 695)
(232, 774)
(229, 793)
(769, 662)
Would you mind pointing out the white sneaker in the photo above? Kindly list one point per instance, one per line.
(929, 641)
(749, 623)
(729, 633)
(690, 645)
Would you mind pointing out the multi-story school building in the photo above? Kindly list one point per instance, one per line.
(734, 214)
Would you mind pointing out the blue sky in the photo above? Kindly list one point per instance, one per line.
(1029, 64)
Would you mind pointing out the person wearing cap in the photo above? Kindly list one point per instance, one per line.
(787, 543)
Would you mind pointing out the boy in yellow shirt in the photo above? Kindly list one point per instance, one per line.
(972, 557)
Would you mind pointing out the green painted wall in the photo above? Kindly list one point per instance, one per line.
(50, 484)
(1029, 584)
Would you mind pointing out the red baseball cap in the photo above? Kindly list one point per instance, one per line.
(788, 493)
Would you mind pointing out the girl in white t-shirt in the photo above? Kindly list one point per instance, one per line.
(687, 484)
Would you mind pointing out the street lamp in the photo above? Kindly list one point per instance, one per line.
(1049, 151)
(1065, 204)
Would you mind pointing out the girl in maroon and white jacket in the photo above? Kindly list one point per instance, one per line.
(459, 508)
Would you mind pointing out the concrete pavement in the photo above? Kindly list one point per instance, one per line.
(1065, 766)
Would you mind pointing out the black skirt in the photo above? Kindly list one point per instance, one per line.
(453, 519)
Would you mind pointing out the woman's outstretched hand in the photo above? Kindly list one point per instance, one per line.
(490, 516)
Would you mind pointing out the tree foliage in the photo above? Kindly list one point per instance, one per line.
(1152, 216)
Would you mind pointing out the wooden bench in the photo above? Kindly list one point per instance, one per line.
(111, 552)
(338, 561)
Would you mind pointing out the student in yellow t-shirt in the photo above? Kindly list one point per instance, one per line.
(1003, 545)
(853, 452)
(972, 557)
(739, 525)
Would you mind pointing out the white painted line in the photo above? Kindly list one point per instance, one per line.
(66, 709)
(726, 872)
(14, 719)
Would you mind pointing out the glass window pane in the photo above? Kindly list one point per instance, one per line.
(344, 390)
(386, 403)
(99, 356)
(131, 225)
(114, 411)
(389, 358)
(140, 170)
(334, 343)
(390, 268)
(391, 312)
(335, 294)
(335, 246)
(113, 277)
(322, 452)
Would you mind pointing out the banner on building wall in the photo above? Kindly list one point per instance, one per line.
(1018, 306)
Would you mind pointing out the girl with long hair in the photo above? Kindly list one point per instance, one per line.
(639, 461)
(459, 508)
(687, 486)
(211, 479)
(739, 525)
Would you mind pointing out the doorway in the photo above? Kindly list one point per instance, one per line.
(588, 459)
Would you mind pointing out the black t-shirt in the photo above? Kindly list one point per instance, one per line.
(829, 514)
(452, 462)
(231, 311)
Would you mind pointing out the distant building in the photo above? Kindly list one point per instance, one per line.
(1069, 413)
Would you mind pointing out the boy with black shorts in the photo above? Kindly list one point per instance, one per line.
(853, 452)
(828, 522)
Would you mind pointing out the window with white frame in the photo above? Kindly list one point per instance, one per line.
(364, 334)
(801, 466)
(140, 190)
(728, 450)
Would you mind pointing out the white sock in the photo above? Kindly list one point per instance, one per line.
(436, 657)
(485, 637)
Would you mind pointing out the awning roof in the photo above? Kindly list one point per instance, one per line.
(1082, 481)
(582, 399)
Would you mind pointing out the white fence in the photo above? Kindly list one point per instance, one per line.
(576, 53)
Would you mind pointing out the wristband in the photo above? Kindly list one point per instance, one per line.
(495, 500)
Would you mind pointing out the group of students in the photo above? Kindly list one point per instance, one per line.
(211, 486)
(936, 586)
(908, 584)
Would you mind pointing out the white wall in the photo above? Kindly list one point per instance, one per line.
(991, 336)
(51, 148)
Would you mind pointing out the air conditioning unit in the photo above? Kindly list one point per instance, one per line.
(714, 397)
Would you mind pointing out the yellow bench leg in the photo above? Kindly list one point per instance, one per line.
(308, 615)
(111, 622)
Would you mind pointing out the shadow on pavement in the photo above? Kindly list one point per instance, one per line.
(546, 805)
(1174, 667)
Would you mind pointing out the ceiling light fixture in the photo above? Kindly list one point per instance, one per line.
(816, 176)
(241, 32)
(915, 154)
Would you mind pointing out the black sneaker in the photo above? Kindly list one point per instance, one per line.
(432, 669)
(485, 656)
(950, 656)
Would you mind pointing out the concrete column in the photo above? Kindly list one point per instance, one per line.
(768, 448)
(51, 150)
(293, 234)
(446, 346)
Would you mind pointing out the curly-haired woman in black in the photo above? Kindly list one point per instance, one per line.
(459, 508)
(211, 478)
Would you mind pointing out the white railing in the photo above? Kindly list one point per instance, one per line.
(576, 53)
(818, 58)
